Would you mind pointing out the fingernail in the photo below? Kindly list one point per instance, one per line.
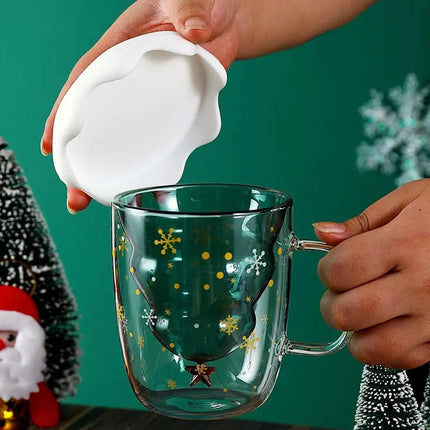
(71, 211)
(194, 24)
(42, 150)
(329, 227)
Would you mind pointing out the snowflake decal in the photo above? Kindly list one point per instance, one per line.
(168, 241)
(122, 247)
(249, 343)
(256, 262)
(141, 341)
(400, 131)
(229, 325)
(150, 317)
(171, 384)
(203, 234)
(121, 316)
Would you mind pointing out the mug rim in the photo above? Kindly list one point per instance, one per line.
(117, 204)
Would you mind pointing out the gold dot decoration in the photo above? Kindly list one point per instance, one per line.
(171, 345)
(137, 292)
(279, 251)
(228, 256)
(131, 269)
(131, 334)
(206, 255)
(270, 284)
(220, 275)
(206, 287)
(176, 286)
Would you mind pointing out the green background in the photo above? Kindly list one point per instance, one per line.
(290, 121)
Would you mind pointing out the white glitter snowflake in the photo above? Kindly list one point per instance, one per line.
(400, 131)
(150, 317)
(256, 262)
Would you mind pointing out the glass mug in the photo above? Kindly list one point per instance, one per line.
(202, 280)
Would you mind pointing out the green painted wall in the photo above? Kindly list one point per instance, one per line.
(290, 121)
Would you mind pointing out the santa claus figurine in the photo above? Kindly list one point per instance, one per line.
(23, 392)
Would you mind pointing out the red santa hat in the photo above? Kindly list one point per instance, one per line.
(15, 299)
(18, 312)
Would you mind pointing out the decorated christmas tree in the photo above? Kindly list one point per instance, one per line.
(386, 401)
(425, 406)
(28, 260)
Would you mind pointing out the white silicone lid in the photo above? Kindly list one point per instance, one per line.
(135, 114)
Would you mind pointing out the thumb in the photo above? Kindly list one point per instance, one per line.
(192, 19)
(376, 215)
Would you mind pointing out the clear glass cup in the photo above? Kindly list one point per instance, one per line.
(202, 281)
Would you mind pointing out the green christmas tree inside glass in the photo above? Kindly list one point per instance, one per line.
(201, 283)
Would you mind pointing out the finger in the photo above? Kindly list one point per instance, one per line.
(192, 18)
(77, 200)
(401, 343)
(359, 260)
(375, 216)
(368, 305)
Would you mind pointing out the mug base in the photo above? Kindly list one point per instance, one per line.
(199, 403)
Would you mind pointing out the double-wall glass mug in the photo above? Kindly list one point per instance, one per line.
(202, 281)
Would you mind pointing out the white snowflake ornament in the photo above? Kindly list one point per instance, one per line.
(400, 131)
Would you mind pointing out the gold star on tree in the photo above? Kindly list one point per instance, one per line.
(200, 373)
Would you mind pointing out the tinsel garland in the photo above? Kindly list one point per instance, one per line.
(28, 260)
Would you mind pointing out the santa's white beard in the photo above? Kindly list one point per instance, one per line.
(22, 366)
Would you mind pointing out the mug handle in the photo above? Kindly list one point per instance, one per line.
(305, 348)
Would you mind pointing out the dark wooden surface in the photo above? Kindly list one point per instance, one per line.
(95, 418)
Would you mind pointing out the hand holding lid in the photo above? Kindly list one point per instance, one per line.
(135, 114)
